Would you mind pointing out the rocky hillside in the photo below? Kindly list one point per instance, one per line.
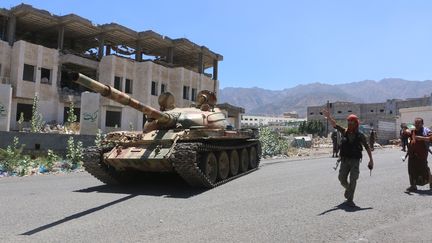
(257, 101)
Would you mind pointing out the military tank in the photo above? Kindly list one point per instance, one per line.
(196, 142)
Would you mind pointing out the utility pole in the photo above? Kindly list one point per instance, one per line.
(328, 108)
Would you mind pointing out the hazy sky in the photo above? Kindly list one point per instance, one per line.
(277, 44)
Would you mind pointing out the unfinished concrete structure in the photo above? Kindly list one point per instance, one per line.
(37, 48)
(381, 116)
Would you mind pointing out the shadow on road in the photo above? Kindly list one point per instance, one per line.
(77, 215)
(160, 185)
(345, 207)
(420, 192)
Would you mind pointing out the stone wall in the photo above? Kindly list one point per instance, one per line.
(44, 141)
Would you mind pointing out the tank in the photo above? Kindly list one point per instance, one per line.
(196, 142)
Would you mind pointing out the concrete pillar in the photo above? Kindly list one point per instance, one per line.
(5, 106)
(11, 30)
(215, 69)
(200, 63)
(59, 75)
(170, 55)
(101, 47)
(60, 37)
(108, 50)
(238, 121)
(90, 113)
(138, 55)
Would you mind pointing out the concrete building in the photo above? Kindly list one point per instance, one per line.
(408, 115)
(276, 121)
(38, 48)
(380, 116)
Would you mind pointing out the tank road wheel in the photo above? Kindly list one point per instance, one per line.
(244, 160)
(234, 162)
(223, 165)
(253, 158)
(209, 166)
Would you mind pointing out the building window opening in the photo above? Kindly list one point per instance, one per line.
(117, 83)
(371, 110)
(128, 86)
(154, 88)
(45, 76)
(26, 109)
(113, 119)
(28, 73)
(163, 88)
(186, 92)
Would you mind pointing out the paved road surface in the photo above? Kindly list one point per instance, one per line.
(284, 201)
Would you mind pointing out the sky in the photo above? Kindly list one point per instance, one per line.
(278, 44)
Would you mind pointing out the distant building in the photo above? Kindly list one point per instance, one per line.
(37, 49)
(292, 114)
(408, 115)
(273, 121)
(380, 116)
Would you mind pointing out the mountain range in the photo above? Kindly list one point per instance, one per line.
(258, 101)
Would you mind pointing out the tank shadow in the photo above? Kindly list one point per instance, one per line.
(346, 208)
(161, 185)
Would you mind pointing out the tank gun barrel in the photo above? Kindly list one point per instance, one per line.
(120, 97)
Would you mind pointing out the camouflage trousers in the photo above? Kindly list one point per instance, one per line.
(349, 166)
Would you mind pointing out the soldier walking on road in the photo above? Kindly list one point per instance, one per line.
(418, 149)
(351, 154)
(372, 139)
(335, 136)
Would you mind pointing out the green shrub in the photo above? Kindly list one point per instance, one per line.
(271, 143)
(12, 160)
(74, 153)
(36, 123)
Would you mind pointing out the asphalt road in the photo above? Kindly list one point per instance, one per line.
(284, 201)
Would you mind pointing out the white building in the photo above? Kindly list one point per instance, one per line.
(256, 121)
(37, 49)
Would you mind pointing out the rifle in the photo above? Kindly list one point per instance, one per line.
(337, 163)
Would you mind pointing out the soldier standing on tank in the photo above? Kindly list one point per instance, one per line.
(351, 154)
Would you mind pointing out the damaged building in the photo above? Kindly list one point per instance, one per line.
(38, 49)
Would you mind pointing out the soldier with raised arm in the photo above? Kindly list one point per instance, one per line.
(351, 148)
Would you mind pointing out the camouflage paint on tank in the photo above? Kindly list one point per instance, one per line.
(145, 152)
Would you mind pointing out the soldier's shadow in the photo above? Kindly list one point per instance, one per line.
(421, 192)
(346, 208)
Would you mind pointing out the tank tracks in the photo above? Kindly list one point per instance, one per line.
(92, 163)
(186, 158)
